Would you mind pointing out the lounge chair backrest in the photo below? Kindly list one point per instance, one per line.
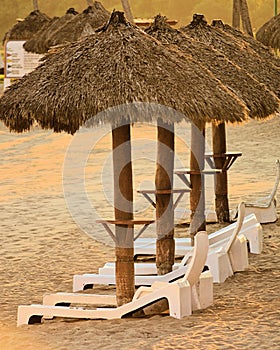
(199, 256)
(274, 190)
(239, 222)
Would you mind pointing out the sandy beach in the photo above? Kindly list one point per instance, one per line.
(42, 247)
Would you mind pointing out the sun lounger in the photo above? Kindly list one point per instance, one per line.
(224, 258)
(265, 208)
(251, 229)
(182, 296)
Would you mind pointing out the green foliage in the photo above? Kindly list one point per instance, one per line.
(181, 10)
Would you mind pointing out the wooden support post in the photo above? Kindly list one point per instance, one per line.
(123, 203)
(165, 245)
(197, 194)
(221, 184)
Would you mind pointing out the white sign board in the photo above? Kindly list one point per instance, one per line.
(18, 62)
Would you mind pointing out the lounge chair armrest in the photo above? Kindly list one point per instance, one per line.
(263, 202)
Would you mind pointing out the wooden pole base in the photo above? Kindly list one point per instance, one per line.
(222, 209)
(124, 275)
(165, 252)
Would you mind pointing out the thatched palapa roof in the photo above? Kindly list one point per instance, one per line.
(86, 22)
(256, 45)
(260, 102)
(263, 70)
(37, 43)
(25, 29)
(275, 39)
(118, 66)
(269, 33)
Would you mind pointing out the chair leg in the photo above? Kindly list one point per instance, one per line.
(26, 315)
(219, 266)
(254, 235)
(205, 289)
(80, 283)
(239, 254)
(180, 300)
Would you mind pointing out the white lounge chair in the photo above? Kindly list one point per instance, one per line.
(250, 228)
(224, 258)
(182, 296)
(265, 208)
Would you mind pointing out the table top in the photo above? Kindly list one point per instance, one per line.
(197, 172)
(126, 222)
(177, 190)
(226, 154)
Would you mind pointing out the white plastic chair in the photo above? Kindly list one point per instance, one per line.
(224, 258)
(250, 228)
(182, 295)
(265, 208)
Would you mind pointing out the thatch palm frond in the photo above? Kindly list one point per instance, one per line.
(275, 39)
(117, 66)
(37, 43)
(263, 70)
(94, 16)
(25, 29)
(256, 45)
(267, 30)
(260, 102)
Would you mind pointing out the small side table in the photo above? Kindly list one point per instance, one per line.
(128, 223)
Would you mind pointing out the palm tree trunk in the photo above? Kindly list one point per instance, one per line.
(236, 14)
(35, 5)
(165, 245)
(127, 11)
(123, 203)
(245, 17)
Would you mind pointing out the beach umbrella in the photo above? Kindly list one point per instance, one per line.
(269, 33)
(120, 65)
(260, 101)
(275, 39)
(24, 30)
(37, 43)
(219, 131)
(246, 40)
(243, 56)
(246, 58)
(84, 23)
